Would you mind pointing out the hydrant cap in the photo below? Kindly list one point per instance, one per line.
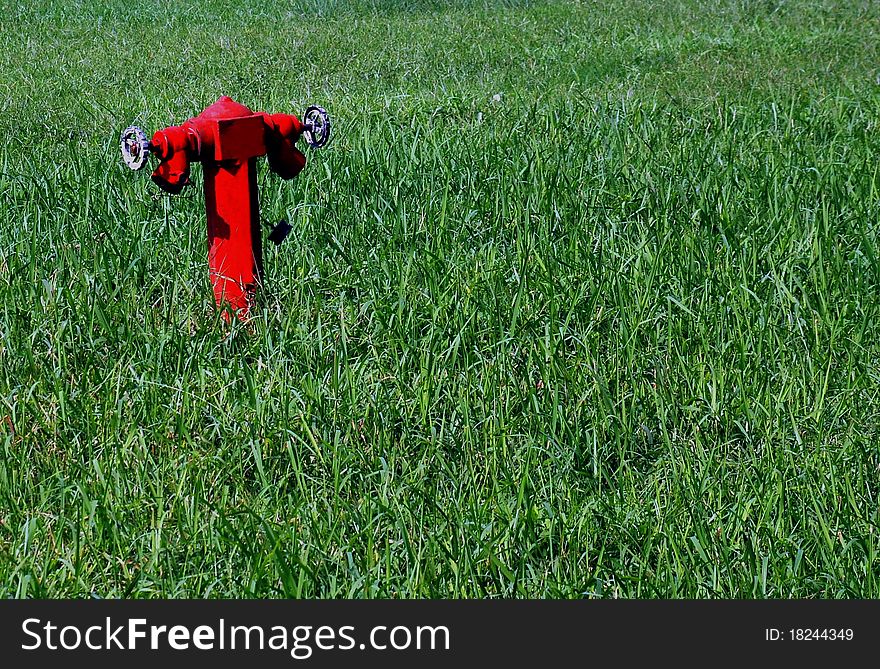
(225, 107)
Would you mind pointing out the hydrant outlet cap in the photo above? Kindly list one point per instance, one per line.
(135, 147)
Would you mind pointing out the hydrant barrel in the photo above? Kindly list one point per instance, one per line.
(235, 250)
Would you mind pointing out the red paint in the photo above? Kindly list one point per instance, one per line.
(227, 138)
(235, 258)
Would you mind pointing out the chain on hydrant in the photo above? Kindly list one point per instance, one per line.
(227, 138)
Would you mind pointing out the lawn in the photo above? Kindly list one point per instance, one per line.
(582, 300)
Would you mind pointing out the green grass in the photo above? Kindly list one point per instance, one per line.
(614, 334)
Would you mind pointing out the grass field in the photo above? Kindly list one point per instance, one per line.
(583, 299)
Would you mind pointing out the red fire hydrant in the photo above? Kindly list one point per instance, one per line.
(227, 138)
